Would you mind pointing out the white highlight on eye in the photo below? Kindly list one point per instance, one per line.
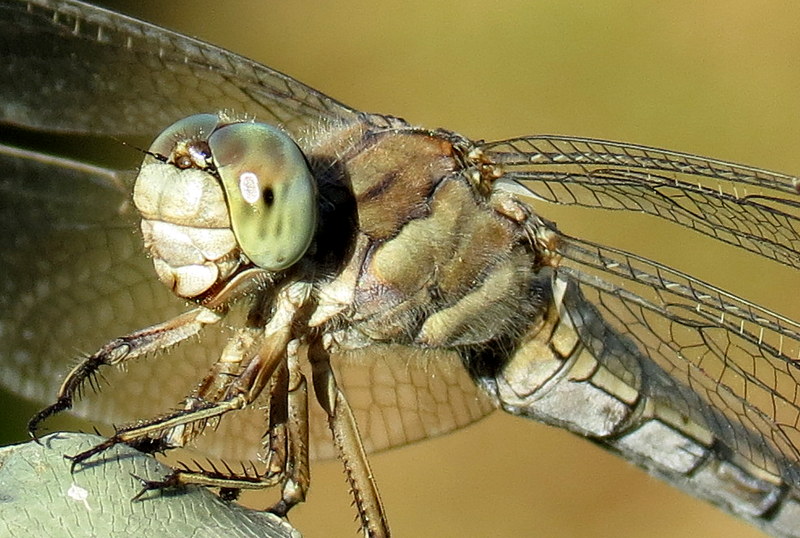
(79, 494)
(248, 186)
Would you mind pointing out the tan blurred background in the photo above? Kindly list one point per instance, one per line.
(715, 78)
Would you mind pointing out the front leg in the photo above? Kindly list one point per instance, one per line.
(181, 426)
(123, 349)
(148, 435)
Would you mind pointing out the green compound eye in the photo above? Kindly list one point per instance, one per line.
(272, 196)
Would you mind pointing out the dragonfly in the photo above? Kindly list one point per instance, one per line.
(508, 165)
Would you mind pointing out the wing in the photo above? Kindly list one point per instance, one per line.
(74, 269)
(398, 395)
(71, 67)
(732, 366)
(720, 370)
(748, 207)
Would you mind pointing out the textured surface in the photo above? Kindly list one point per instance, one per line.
(40, 497)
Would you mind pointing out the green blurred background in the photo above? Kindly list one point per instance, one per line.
(715, 78)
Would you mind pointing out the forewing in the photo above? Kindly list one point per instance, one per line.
(747, 207)
(70, 67)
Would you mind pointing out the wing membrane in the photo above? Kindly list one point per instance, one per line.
(100, 72)
(741, 360)
(73, 267)
(398, 395)
(747, 207)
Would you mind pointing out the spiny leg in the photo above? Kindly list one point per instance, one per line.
(248, 364)
(175, 428)
(123, 349)
(229, 482)
(348, 442)
(145, 433)
(288, 434)
(287, 440)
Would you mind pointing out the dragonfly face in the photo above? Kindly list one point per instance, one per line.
(561, 221)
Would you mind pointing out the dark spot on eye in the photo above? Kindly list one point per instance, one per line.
(268, 196)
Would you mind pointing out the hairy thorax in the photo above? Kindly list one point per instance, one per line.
(435, 260)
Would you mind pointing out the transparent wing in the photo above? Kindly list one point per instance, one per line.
(74, 271)
(741, 362)
(71, 67)
(748, 207)
(722, 361)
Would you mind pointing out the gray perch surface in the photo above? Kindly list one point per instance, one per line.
(40, 497)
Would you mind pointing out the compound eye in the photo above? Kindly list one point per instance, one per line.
(272, 196)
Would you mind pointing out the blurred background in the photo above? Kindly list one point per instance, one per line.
(720, 79)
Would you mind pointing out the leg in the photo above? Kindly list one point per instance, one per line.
(348, 441)
(288, 435)
(230, 393)
(254, 359)
(287, 439)
(122, 349)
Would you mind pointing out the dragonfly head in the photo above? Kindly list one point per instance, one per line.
(217, 194)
